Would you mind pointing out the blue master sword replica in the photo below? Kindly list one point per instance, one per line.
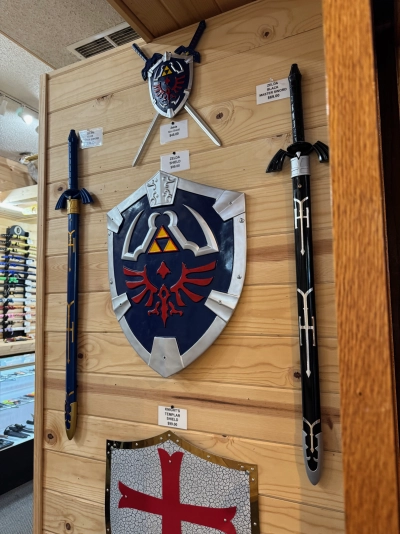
(177, 260)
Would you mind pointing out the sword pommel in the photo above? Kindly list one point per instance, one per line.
(296, 104)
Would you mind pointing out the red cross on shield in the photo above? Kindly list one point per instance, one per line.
(165, 485)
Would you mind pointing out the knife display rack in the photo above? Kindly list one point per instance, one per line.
(17, 285)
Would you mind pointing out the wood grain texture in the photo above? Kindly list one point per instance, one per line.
(364, 335)
(13, 173)
(271, 414)
(124, 69)
(126, 12)
(245, 360)
(16, 347)
(40, 310)
(281, 469)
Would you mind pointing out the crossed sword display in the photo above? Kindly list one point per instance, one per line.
(188, 107)
(299, 152)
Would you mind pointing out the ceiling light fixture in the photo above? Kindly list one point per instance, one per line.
(25, 116)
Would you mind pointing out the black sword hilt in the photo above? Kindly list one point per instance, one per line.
(296, 150)
(80, 194)
(191, 49)
(149, 61)
(296, 104)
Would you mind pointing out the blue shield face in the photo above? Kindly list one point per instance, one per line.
(170, 81)
(177, 263)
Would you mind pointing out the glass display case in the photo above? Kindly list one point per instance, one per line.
(17, 397)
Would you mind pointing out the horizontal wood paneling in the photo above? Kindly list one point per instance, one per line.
(280, 467)
(246, 360)
(262, 310)
(263, 413)
(243, 395)
(227, 35)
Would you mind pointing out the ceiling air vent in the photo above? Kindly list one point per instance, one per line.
(116, 36)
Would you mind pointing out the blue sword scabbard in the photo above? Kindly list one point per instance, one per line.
(72, 199)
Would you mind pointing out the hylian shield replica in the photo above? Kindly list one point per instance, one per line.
(166, 485)
(170, 81)
(177, 259)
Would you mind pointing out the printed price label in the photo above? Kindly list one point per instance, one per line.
(271, 91)
(177, 161)
(91, 138)
(172, 417)
(174, 130)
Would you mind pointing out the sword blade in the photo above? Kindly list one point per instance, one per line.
(145, 139)
(203, 125)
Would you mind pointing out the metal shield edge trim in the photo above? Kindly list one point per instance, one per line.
(235, 287)
(166, 57)
(252, 469)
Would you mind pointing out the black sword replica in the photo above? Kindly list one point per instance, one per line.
(298, 152)
(170, 78)
(72, 198)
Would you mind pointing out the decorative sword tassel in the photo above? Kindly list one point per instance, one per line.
(72, 198)
(298, 153)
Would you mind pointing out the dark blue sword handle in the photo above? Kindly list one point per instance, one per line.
(197, 34)
(73, 143)
(296, 104)
(139, 52)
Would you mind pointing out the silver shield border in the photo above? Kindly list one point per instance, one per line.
(166, 57)
(251, 469)
(229, 205)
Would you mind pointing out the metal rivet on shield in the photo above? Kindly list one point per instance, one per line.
(255, 524)
(137, 444)
(208, 456)
(252, 468)
(109, 232)
(177, 440)
(239, 277)
(160, 439)
(107, 490)
(225, 520)
(111, 282)
(241, 220)
(252, 479)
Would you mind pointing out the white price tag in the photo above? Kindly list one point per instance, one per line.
(91, 138)
(174, 130)
(177, 161)
(271, 91)
(172, 417)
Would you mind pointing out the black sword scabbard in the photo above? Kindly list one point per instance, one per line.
(299, 154)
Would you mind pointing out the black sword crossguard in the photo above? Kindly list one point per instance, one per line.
(276, 163)
(191, 49)
(149, 61)
(81, 194)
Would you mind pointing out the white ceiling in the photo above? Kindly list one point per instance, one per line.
(19, 77)
(47, 27)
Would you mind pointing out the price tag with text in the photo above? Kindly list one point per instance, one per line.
(271, 91)
(91, 138)
(172, 417)
(174, 130)
(177, 161)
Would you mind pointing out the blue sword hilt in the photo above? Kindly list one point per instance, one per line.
(191, 49)
(79, 194)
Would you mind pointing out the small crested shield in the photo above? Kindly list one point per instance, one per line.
(167, 485)
(170, 82)
(177, 260)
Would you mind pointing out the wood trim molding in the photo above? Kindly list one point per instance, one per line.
(132, 19)
(370, 449)
(40, 312)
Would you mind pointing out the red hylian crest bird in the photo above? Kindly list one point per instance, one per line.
(177, 263)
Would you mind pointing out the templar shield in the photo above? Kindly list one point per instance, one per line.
(166, 485)
(170, 82)
(177, 260)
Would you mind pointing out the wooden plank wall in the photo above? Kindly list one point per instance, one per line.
(243, 395)
(13, 175)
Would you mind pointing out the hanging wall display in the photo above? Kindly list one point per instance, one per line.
(170, 78)
(71, 198)
(298, 153)
(177, 261)
(162, 483)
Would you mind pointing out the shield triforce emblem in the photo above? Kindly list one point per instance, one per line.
(166, 485)
(177, 259)
(170, 82)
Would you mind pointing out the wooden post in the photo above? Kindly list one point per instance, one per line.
(369, 435)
